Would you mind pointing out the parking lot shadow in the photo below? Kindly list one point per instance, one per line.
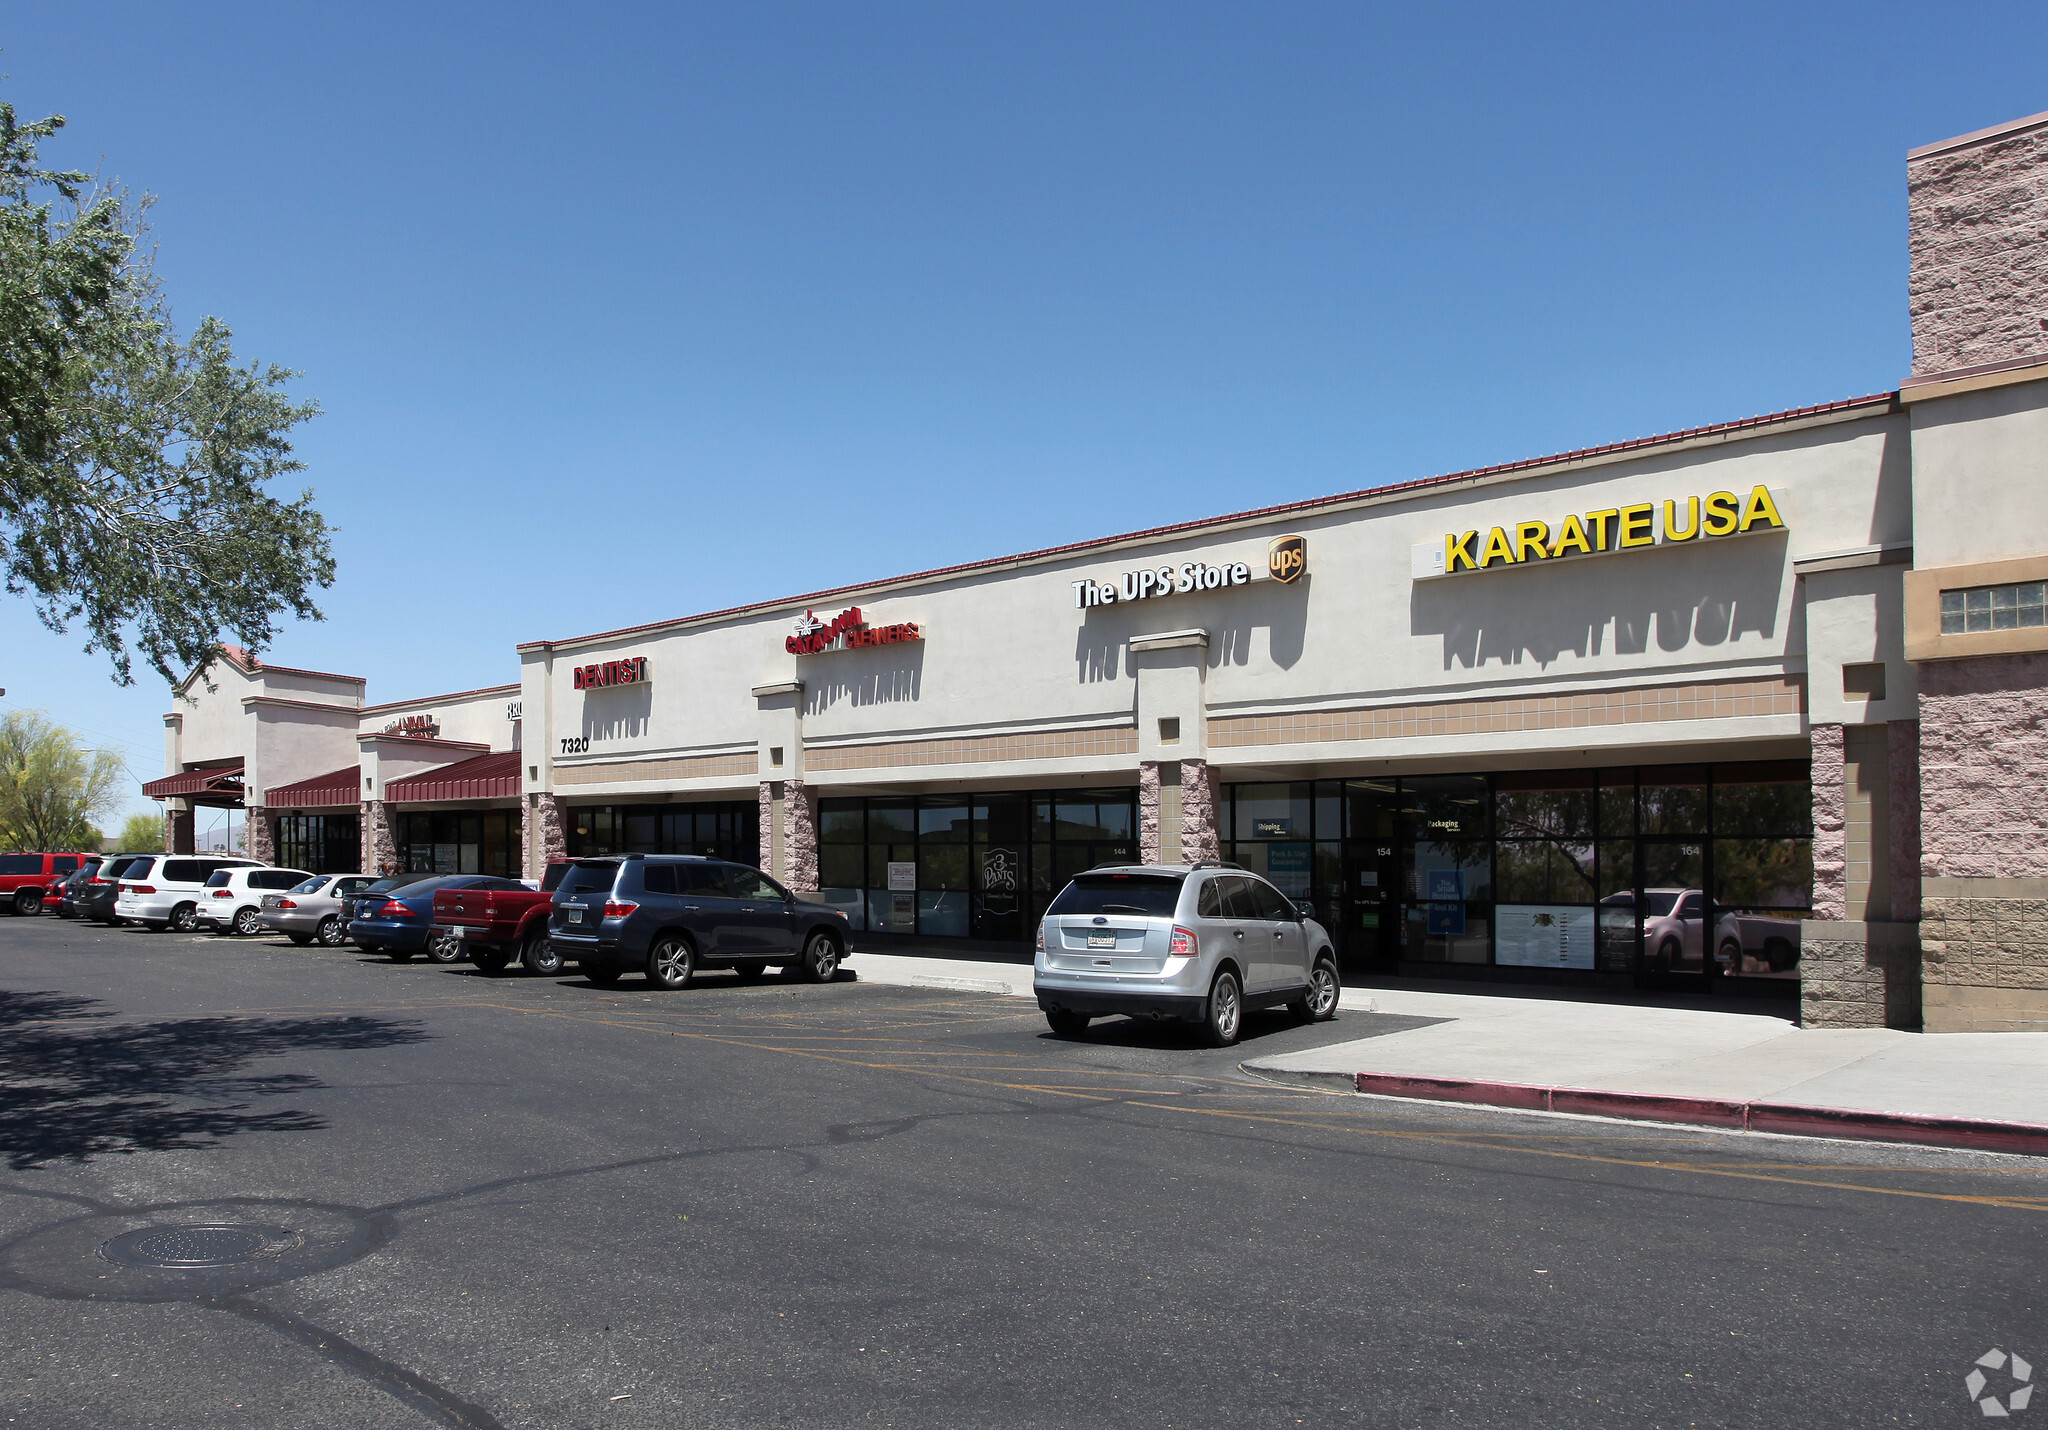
(82, 1082)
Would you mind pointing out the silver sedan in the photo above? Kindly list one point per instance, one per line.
(313, 911)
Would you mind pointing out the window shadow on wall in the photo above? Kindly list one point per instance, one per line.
(881, 675)
(1666, 601)
(1234, 620)
(618, 713)
(81, 1086)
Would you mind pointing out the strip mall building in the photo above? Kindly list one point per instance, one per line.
(1766, 700)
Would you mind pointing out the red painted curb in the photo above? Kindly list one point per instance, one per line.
(1976, 1134)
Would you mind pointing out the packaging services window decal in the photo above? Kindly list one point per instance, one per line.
(1286, 561)
(848, 630)
(630, 671)
(1596, 533)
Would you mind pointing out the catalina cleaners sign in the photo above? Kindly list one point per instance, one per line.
(846, 631)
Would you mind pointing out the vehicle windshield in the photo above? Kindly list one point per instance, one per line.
(1143, 895)
(1659, 902)
(581, 878)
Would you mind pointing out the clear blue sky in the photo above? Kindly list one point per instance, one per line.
(622, 312)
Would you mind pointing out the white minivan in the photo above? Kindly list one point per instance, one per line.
(161, 891)
(234, 897)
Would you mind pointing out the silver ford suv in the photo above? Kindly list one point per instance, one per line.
(1196, 942)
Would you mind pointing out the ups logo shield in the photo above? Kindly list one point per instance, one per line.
(1287, 557)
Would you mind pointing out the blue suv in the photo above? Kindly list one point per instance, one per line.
(669, 916)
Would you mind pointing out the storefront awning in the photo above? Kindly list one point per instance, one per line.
(492, 776)
(221, 784)
(335, 787)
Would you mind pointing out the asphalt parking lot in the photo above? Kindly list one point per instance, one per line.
(442, 1198)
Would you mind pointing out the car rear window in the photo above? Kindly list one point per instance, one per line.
(275, 878)
(310, 886)
(21, 863)
(584, 878)
(219, 878)
(1148, 895)
(552, 880)
(138, 868)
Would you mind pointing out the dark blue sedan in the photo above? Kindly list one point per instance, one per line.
(400, 922)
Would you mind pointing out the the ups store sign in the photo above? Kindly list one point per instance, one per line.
(1286, 560)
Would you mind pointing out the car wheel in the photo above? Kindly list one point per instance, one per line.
(821, 959)
(246, 921)
(444, 948)
(539, 955)
(491, 960)
(1731, 954)
(1065, 1024)
(672, 962)
(1669, 953)
(301, 939)
(1225, 1013)
(28, 902)
(1780, 955)
(604, 976)
(1318, 1002)
(749, 972)
(185, 918)
(330, 933)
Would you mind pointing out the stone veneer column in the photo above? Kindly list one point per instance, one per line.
(771, 852)
(379, 850)
(1976, 210)
(540, 833)
(1199, 811)
(258, 835)
(1984, 843)
(1858, 966)
(800, 836)
(1148, 813)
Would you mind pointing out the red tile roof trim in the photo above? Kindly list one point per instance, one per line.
(1881, 400)
(205, 781)
(334, 787)
(492, 776)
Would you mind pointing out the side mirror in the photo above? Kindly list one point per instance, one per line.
(1304, 910)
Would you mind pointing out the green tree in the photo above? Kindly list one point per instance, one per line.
(52, 789)
(143, 834)
(133, 462)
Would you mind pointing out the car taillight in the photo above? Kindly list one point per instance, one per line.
(286, 904)
(394, 910)
(138, 888)
(613, 909)
(1041, 938)
(1180, 944)
(223, 893)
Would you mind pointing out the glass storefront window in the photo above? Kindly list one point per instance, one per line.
(981, 867)
(725, 830)
(1577, 869)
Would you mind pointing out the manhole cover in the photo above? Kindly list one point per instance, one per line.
(197, 1246)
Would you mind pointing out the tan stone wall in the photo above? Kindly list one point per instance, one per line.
(1859, 975)
(1985, 947)
(692, 767)
(1641, 705)
(1904, 739)
(1979, 285)
(1044, 745)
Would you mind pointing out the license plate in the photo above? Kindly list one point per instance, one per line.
(1102, 940)
(458, 933)
(575, 916)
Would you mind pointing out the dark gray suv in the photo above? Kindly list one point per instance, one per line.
(670, 915)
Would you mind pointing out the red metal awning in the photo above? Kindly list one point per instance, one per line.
(336, 787)
(492, 776)
(218, 781)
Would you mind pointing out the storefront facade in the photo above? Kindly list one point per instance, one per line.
(1720, 703)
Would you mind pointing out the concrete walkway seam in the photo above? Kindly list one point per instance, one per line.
(1974, 1134)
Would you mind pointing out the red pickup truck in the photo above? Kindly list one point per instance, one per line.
(495, 926)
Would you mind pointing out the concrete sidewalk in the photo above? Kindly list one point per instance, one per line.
(1685, 1052)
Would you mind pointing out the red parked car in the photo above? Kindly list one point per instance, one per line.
(496, 925)
(26, 880)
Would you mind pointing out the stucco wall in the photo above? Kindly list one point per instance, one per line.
(1980, 475)
(478, 716)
